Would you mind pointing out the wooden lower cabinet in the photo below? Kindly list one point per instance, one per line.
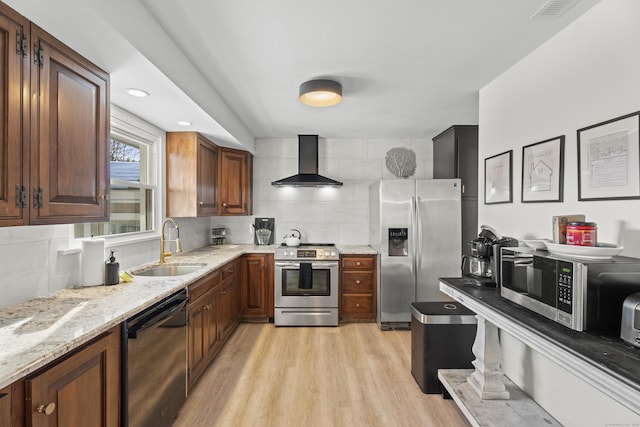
(213, 316)
(12, 405)
(227, 300)
(203, 342)
(358, 279)
(257, 287)
(82, 389)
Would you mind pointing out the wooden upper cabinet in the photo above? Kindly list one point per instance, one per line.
(192, 175)
(14, 109)
(204, 179)
(235, 182)
(69, 134)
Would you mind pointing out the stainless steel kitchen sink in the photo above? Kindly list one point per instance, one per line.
(168, 270)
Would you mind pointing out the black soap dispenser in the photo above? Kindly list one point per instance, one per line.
(111, 270)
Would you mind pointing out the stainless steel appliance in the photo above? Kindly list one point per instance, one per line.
(218, 235)
(264, 231)
(582, 294)
(415, 227)
(630, 328)
(154, 363)
(306, 285)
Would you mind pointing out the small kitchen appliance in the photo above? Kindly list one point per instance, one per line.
(264, 231)
(306, 285)
(630, 328)
(218, 235)
(292, 238)
(582, 294)
(484, 261)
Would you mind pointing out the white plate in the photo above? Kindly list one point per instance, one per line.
(536, 243)
(602, 251)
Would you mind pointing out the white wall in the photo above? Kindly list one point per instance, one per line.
(334, 215)
(586, 74)
(32, 266)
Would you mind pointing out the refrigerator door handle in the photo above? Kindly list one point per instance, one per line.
(412, 236)
(418, 239)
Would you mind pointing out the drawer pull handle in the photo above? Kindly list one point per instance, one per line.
(223, 293)
(47, 409)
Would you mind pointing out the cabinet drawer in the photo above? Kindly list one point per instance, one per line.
(363, 263)
(228, 270)
(357, 282)
(357, 304)
(197, 289)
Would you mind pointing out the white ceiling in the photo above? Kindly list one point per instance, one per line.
(409, 68)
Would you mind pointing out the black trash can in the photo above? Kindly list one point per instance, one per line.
(442, 334)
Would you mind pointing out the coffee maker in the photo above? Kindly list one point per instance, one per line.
(484, 261)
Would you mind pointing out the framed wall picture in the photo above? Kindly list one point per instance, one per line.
(609, 159)
(498, 177)
(543, 171)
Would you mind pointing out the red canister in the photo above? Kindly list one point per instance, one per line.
(582, 233)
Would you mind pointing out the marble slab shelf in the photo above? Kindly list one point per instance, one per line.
(519, 410)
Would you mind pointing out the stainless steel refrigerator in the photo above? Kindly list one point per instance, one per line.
(415, 225)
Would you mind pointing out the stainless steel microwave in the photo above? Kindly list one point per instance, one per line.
(582, 294)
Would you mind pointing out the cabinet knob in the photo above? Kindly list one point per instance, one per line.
(223, 293)
(357, 304)
(358, 263)
(47, 409)
(357, 282)
(224, 205)
(201, 203)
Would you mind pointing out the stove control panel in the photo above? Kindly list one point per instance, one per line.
(307, 254)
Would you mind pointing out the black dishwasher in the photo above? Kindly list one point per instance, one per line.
(154, 363)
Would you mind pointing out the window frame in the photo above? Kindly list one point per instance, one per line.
(127, 127)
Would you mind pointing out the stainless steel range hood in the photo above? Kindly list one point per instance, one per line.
(307, 167)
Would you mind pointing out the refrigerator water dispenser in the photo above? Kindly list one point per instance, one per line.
(398, 242)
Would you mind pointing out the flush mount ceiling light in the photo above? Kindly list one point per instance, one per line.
(320, 93)
(184, 123)
(138, 93)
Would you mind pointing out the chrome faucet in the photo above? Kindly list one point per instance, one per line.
(163, 253)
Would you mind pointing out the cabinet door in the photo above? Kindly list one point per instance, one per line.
(207, 178)
(444, 155)
(196, 346)
(14, 109)
(257, 289)
(69, 134)
(225, 307)
(235, 183)
(212, 335)
(81, 390)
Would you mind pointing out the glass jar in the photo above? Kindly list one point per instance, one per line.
(582, 233)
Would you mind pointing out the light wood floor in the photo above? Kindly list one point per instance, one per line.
(352, 375)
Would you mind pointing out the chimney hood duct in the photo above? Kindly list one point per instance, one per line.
(307, 167)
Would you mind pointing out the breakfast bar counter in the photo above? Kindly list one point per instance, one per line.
(606, 363)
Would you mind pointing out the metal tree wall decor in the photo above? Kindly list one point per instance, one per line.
(401, 162)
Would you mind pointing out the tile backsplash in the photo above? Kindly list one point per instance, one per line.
(336, 215)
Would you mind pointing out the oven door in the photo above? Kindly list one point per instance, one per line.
(306, 284)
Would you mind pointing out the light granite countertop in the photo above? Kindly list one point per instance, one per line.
(39, 331)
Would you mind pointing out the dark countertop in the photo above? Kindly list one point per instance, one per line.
(608, 354)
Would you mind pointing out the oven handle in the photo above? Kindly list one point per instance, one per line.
(314, 264)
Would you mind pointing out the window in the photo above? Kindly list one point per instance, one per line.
(133, 179)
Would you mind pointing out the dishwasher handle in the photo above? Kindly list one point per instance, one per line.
(156, 319)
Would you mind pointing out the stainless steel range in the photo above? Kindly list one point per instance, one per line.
(306, 285)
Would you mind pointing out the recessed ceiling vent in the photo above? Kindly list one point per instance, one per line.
(554, 9)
